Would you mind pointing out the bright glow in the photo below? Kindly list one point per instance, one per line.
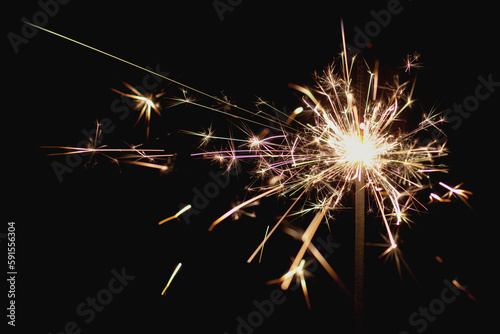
(358, 152)
(298, 110)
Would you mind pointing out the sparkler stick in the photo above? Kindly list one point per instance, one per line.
(359, 206)
(359, 253)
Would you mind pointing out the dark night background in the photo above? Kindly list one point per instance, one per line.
(72, 234)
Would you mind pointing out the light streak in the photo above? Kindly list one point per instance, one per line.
(461, 287)
(180, 212)
(242, 205)
(456, 191)
(301, 274)
(171, 278)
(133, 155)
(262, 249)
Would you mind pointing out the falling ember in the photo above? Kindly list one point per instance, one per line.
(461, 287)
(171, 278)
(176, 216)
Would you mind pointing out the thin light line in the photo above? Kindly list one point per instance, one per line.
(262, 249)
(172, 277)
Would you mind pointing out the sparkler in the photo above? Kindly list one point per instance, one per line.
(345, 136)
(354, 138)
(322, 159)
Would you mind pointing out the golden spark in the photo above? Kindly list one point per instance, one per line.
(171, 278)
(146, 103)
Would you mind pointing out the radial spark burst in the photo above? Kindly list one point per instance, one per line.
(344, 134)
(146, 103)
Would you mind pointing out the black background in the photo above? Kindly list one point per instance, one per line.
(71, 234)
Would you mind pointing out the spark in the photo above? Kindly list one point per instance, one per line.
(461, 287)
(83, 150)
(244, 204)
(462, 194)
(146, 103)
(171, 278)
(176, 216)
(239, 213)
(262, 249)
(412, 62)
(436, 197)
(393, 252)
(133, 155)
(207, 136)
(456, 191)
(301, 274)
